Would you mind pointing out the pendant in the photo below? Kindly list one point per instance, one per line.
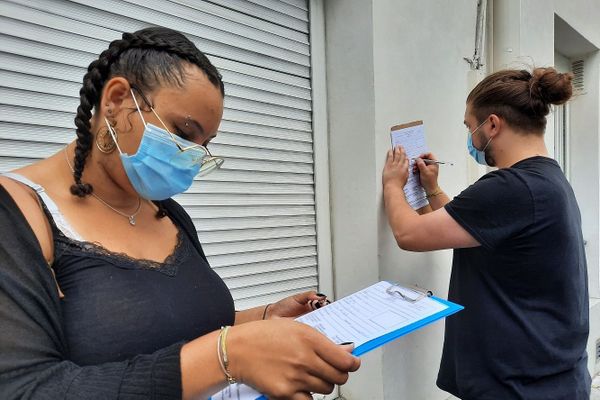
(132, 220)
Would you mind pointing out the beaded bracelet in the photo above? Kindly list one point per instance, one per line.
(436, 192)
(222, 354)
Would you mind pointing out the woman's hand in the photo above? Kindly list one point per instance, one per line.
(428, 173)
(395, 171)
(296, 305)
(285, 359)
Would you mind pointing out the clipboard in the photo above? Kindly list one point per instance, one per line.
(451, 308)
(400, 127)
(397, 297)
(411, 136)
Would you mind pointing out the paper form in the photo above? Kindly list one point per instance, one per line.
(363, 316)
(411, 136)
(237, 391)
(369, 314)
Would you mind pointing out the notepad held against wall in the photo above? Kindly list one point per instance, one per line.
(370, 318)
(411, 136)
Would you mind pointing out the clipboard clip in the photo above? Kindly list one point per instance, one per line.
(412, 294)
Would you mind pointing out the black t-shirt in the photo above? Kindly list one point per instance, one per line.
(524, 329)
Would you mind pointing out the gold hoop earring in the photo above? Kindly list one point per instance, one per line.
(104, 141)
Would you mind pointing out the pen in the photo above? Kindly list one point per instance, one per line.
(428, 161)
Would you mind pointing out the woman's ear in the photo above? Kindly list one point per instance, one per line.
(115, 96)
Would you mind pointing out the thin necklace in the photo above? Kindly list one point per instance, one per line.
(131, 217)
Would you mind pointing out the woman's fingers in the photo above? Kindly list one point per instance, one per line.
(312, 300)
(304, 360)
(294, 396)
(339, 357)
(301, 396)
(324, 371)
(305, 297)
(317, 376)
(318, 385)
(316, 304)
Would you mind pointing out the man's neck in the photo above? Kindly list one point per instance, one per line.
(515, 148)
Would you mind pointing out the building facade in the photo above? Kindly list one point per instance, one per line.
(312, 88)
(392, 61)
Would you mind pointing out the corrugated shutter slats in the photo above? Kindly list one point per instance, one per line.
(256, 216)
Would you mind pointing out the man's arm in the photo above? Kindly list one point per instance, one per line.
(432, 231)
(437, 199)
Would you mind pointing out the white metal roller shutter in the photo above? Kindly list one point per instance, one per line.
(256, 216)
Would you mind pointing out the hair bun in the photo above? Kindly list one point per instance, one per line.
(550, 86)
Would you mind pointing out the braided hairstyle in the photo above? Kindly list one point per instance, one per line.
(147, 58)
(521, 97)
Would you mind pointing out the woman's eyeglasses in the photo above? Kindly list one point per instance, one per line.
(189, 154)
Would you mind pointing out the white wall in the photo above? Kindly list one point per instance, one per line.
(420, 73)
(353, 162)
(394, 61)
(390, 62)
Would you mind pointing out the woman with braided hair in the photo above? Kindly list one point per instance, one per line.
(519, 264)
(105, 291)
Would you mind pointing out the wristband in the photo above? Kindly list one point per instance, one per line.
(222, 354)
(265, 312)
(436, 192)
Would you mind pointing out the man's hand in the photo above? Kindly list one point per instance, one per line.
(396, 171)
(428, 172)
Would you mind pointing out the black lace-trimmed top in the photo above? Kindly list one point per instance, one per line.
(116, 307)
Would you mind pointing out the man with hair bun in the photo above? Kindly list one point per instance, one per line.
(519, 264)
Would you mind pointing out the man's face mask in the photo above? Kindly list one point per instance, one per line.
(478, 155)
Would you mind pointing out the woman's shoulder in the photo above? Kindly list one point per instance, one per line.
(16, 198)
(20, 195)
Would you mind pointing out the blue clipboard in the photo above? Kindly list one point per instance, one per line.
(364, 348)
(380, 341)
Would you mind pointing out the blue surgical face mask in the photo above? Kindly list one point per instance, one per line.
(160, 169)
(478, 155)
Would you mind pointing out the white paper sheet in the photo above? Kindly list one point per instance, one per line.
(412, 138)
(236, 391)
(369, 314)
